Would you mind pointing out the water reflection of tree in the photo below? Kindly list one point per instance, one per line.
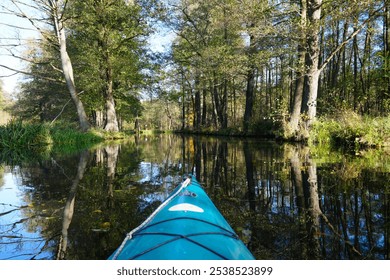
(281, 200)
(305, 182)
(111, 153)
(69, 206)
(84, 207)
(286, 206)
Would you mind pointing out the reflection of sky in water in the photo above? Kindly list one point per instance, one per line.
(20, 229)
(9, 192)
(16, 242)
(355, 212)
(149, 172)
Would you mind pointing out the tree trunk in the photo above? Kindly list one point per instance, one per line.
(98, 118)
(183, 105)
(297, 101)
(216, 103)
(313, 83)
(296, 107)
(386, 48)
(137, 126)
(68, 73)
(111, 118)
(204, 108)
(224, 109)
(249, 98)
(344, 95)
(198, 112)
(355, 74)
(312, 58)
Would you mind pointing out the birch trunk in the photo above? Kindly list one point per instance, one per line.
(66, 64)
(312, 58)
(69, 206)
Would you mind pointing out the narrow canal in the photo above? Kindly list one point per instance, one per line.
(284, 201)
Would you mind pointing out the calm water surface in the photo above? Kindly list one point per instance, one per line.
(284, 201)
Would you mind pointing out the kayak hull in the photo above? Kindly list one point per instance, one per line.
(187, 227)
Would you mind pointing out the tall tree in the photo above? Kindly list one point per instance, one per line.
(44, 96)
(296, 105)
(312, 58)
(117, 31)
(386, 48)
(209, 46)
(52, 13)
(314, 64)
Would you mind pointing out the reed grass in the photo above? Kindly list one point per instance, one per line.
(17, 135)
(352, 131)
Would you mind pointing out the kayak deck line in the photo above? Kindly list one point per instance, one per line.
(230, 233)
(177, 237)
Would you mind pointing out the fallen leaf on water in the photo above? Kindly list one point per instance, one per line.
(105, 225)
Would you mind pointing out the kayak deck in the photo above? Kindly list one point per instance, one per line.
(187, 226)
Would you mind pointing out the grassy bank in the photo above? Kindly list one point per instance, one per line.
(352, 131)
(24, 136)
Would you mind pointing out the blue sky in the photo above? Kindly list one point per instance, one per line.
(11, 36)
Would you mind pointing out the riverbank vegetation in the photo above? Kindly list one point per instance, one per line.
(305, 70)
(17, 135)
(352, 131)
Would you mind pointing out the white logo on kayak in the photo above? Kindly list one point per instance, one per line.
(186, 207)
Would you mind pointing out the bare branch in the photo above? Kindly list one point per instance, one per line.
(10, 211)
(27, 59)
(18, 71)
(17, 27)
(32, 20)
(353, 35)
(62, 110)
(10, 75)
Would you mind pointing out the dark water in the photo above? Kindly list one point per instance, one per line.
(284, 201)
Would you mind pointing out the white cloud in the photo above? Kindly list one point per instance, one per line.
(161, 41)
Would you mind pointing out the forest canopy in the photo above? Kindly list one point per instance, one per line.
(247, 66)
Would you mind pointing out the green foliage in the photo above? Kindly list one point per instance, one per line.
(264, 127)
(107, 44)
(19, 141)
(351, 131)
(44, 95)
(18, 136)
(68, 135)
(161, 114)
(221, 46)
